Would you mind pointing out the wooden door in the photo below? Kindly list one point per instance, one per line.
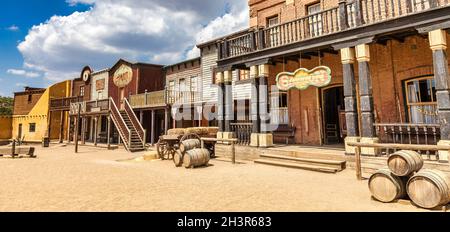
(122, 98)
(19, 134)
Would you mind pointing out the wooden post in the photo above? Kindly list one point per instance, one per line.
(61, 129)
(220, 101)
(166, 120)
(228, 104)
(13, 149)
(95, 130)
(351, 111)
(233, 153)
(141, 117)
(69, 123)
(108, 137)
(359, 20)
(83, 130)
(358, 162)
(77, 127)
(152, 130)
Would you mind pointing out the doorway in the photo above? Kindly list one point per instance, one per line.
(19, 134)
(333, 110)
(122, 98)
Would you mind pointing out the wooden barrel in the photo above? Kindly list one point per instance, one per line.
(429, 188)
(405, 163)
(386, 187)
(189, 144)
(178, 158)
(196, 158)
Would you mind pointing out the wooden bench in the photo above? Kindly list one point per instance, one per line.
(18, 151)
(285, 131)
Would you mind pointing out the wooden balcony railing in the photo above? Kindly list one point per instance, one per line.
(243, 132)
(135, 121)
(147, 100)
(90, 107)
(121, 126)
(404, 133)
(182, 97)
(63, 103)
(347, 15)
(279, 116)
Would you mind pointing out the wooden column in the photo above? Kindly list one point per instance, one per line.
(152, 131)
(365, 91)
(228, 87)
(166, 120)
(61, 127)
(438, 44)
(265, 138)
(254, 106)
(69, 124)
(108, 136)
(49, 125)
(141, 116)
(95, 130)
(83, 130)
(351, 111)
(343, 15)
(77, 123)
(220, 101)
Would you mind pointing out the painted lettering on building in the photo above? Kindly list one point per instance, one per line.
(123, 76)
(303, 78)
(100, 84)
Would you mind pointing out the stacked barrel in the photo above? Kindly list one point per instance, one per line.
(191, 155)
(404, 177)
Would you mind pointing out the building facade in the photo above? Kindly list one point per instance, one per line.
(366, 71)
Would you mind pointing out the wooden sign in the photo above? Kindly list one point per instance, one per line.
(303, 78)
(123, 76)
(100, 85)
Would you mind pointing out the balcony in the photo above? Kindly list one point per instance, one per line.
(345, 17)
(182, 97)
(148, 100)
(90, 107)
(63, 104)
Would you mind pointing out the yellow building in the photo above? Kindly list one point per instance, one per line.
(30, 121)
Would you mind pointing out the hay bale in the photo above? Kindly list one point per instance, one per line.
(212, 130)
(177, 131)
(194, 130)
(151, 155)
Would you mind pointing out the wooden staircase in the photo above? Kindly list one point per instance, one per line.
(295, 160)
(130, 130)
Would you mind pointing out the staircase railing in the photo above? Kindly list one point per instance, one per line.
(124, 131)
(134, 120)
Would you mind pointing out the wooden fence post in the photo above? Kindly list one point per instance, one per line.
(358, 162)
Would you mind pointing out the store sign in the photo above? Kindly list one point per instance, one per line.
(303, 78)
(100, 85)
(123, 76)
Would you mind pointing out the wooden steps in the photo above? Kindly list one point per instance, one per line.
(296, 165)
(289, 161)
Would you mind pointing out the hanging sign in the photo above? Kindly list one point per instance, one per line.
(123, 76)
(303, 78)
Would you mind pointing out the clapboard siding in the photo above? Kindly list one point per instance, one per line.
(240, 91)
(99, 93)
(209, 61)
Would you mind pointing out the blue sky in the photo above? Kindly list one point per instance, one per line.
(46, 41)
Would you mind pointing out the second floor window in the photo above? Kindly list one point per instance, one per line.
(315, 20)
(81, 90)
(193, 84)
(272, 21)
(32, 128)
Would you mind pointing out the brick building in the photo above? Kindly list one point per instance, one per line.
(388, 72)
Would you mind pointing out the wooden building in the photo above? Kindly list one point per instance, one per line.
(365, 70)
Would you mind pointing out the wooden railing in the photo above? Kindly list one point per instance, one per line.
(243, 132)
(121, 126)
(90, 107)
(182, 97)
(404, 133)
(347, 15)
(64, 103)
(135, 121)
(149, 99)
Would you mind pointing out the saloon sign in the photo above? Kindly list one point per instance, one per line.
(123, 76)
(303, 78)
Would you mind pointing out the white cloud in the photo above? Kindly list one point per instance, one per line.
(21, 72)
(21, 84)
(13, 28)
(155, 31)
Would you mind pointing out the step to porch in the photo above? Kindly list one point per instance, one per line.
(297, 165)
(336, 164)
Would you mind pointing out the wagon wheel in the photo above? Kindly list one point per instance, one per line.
(162, 148)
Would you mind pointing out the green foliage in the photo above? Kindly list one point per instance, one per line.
(6, 105)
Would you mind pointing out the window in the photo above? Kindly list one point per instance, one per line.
(30, 98)
(315, 21)
(171, 90)
(274, 33)
(193, 84)
(279, 108)
(32, 128)
(419, 5)
(81, 90)
(214, 73)
(244, 74)
(421, 100)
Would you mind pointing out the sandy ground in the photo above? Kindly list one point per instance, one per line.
(94, 180)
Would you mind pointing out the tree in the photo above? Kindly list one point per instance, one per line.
(6, 106)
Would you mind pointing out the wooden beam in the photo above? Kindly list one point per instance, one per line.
(108, 136)
(152, 133)
(77, 127)
(95, 130)
(61, 127)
